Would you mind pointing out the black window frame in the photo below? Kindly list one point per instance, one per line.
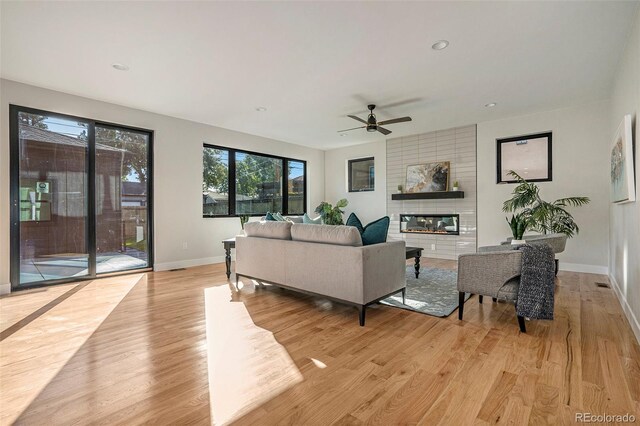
(349, 177)
(232, 181)
(90, 226)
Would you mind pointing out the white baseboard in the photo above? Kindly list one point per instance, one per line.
(587, 269)
(5, 288)
(631, 317)
(189, 263)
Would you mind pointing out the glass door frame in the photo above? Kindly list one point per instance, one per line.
(14, 194)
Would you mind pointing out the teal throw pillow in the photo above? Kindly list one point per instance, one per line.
(269, 217)
(353, 220)
(373, 233)
(306, 219)
(278, 217)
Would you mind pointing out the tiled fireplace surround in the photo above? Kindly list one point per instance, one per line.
(458, 146)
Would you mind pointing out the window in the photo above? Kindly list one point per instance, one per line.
(247, 183)
(296, 184)
(361, 175)
(215, 182)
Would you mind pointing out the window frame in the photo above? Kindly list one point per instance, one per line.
(90, 226)
(349, 175)
(232, 181)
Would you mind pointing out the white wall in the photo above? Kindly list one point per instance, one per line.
(177, 172)
(624, 225)
(580, 168)
(369, 206)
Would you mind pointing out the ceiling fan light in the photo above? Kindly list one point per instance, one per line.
(371, 128)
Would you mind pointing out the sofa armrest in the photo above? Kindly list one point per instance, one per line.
(384, 269)
(486, 273)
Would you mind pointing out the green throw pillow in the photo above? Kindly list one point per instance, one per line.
(373, 233)
(306, 219)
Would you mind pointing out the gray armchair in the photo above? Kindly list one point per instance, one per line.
(495, 274)
(557, 242)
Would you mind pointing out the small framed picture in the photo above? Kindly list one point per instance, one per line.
(529, 156)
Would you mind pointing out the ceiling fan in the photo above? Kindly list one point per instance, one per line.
(373, 125)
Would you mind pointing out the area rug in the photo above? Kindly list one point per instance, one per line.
(433, 293)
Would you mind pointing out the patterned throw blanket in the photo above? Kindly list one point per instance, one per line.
(535, 294)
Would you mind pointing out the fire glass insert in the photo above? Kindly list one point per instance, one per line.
(446, 224)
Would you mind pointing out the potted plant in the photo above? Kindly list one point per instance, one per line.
(518, 225)
(455, 185)
(332, 215)
(244, 218)
(399, 189)
(543, 216)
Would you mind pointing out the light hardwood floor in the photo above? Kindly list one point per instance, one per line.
(186, 347)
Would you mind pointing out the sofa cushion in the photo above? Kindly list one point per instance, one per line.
(373, 233)
(268, 229)
(327, 234)
(306, 219)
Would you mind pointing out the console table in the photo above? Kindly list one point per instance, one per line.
(229, 243)
(416, 253)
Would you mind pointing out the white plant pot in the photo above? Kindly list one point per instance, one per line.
(517, 242)
(455, 188)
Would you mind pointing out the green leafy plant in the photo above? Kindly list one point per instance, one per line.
(399, 188)
(244, 218)
(543, 216)
(332, 215)
(455, 184)
(518, 224)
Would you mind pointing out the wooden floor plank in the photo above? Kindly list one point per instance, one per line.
(186, 347)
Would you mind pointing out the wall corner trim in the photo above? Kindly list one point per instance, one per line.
(188, 263)
(633, 321)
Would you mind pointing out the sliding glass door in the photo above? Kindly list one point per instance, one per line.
(122, 202)
(80, 193)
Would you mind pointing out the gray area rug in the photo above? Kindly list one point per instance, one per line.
(434, 293)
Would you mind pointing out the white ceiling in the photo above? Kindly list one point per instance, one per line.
(312, 63)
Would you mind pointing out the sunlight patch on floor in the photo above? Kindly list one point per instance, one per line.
(246, 365)
(48, 342)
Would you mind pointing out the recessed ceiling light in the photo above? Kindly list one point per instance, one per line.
(120, 67)
(440, 44)
(343, 134)
(490, 104)
(261, 109)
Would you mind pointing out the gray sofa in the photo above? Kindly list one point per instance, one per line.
(321, 259)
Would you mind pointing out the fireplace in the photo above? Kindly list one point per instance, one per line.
(435, 224)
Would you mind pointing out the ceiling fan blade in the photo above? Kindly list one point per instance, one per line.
(357, 118)
(346, 130)
(394, 120)
(383, 130)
